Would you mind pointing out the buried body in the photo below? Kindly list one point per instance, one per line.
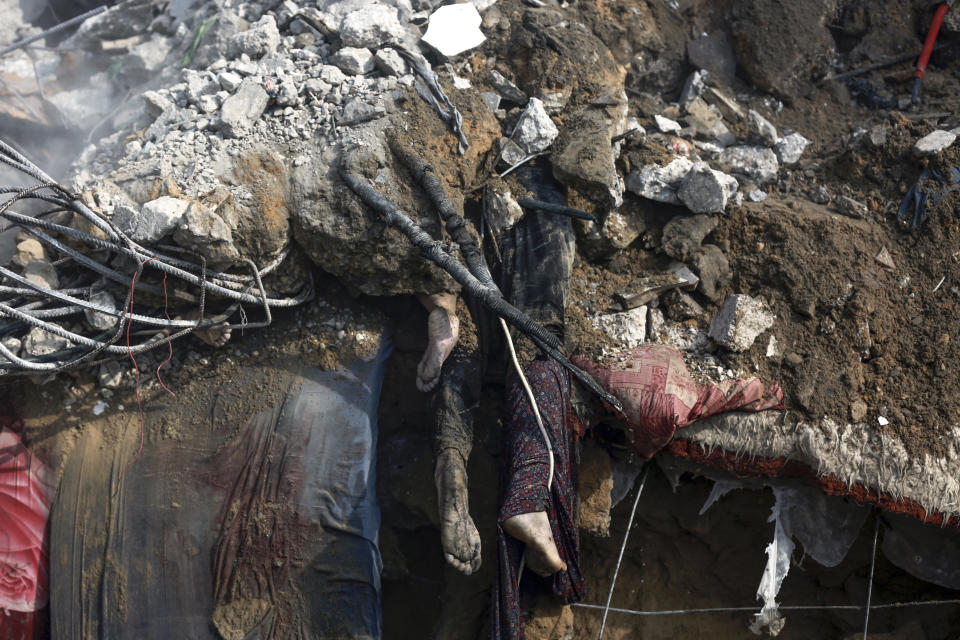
(538, 507)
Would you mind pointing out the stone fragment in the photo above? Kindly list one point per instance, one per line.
(858, 410)
(241, 111)
(229, 81)
(203, 230)
(156, 218)
(706, 190)
(622, 227)
(505, 88)
(729, 107)
(740, 320)
(110, 375)
(715, 54)
(707, 123)
(12, 344)
(683, 235)
(42, 343)
(371, 27)
(756, 163)
(98, 319)
(358, 110)
(666, 125)
(261, 38)
(756, 195)
(850, 207)
(332, 75)
(453, 29)
(694, 87)
(933, 143)
(536, 131)
(712, 266)
(353, 60)
(884, 258)
(390, 63)
(199, 84)
(789, 148)
(146, 59)
(627, 329)
(156, 103)
(28, 250)
(655, 324)
(503, 211)
(491, 99)
(659, 183)
(41, 272)
(555, 101)
(760, 129)
(583, 158)
(512, 152)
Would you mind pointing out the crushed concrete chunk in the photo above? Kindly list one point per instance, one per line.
(42, 273)
(503, 211)
(505, 88)
(332, 75)
(390, 63)
(694, 87)
(666, 125)
(621, 228)
(760, 129)
(659, 183)
(850, 207)
(97, 319)
(740, 320)
(229, 81)
(536, 131)
(372, 26)
(241, 110)
(454, 28)
(42, 343)
(353, 60)
(756, 163)
(257, 41)
(358, 110)
(156, 219)
(110, 375)
(933, 143)
(627, 329)
(790, 148)
(706, 190)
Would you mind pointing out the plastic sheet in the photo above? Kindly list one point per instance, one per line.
(266, 528)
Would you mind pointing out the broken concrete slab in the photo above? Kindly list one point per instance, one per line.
(156, 219)
(760, 129)
(372, 27)
(740, 321)
(933, 143)
(536, 131)
(627, 329)
(790, 148)
(706, 190)
(241, 110)
(757, 163)
(583, 157)
(260, 39)
(659, 183)
(390, 63)
(353, 60)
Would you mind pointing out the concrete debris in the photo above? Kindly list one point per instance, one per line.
(98, 320)
(390, 63)
(706, 190)
(536, 131)
(512, 153)
(508, 90)
(110, 375)
(681, 306)
(655, 324)
(683, 235)
(241, 110)
(666, 125)
(649, 288)
(259, 40)
(229, 81)
(453, 29)
(202, 230)
(933, 143)
(727, 105)
(707, 123)
(756, 163)
(354, 61)
(502, 211)
(740, 321)
(851, 207)
(42, 273)
(756, 195)
(491, 99)
(27, 251)
(42, 343)
(358, 110)
(694, 86)
(790, 148)
(761, 130)
(884, 258)
(627, 329)
(659, 183)
(372, 27)
(156, 219)
(12, 344)
(710, 263)
(621, 228)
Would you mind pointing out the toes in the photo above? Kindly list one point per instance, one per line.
(427, 375)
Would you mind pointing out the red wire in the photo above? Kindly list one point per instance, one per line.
(927, 50)
(136, 367)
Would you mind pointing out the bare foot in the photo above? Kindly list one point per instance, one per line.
(215, 336)
(534, 529)
(458, 535)
(443, 329)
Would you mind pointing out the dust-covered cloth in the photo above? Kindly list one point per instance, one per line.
(659, 396)
(528, 469)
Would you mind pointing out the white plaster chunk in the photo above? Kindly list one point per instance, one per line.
(454, 28)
